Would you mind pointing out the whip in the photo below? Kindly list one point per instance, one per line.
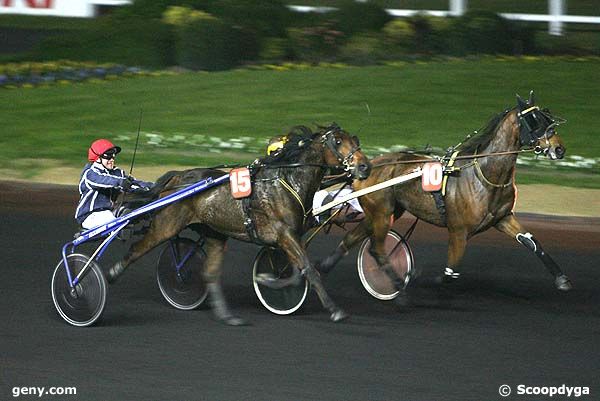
(137, 140)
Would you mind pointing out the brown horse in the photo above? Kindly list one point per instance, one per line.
(274, 214)
(480, 194)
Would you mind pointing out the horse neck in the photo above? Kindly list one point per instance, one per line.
(306, 180)
(499, 169)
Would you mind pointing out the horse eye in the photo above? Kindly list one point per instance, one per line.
(338, 141)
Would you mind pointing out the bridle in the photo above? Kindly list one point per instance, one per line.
(535, 125)
(329, 139)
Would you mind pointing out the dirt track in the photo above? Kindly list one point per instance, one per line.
(503, 323)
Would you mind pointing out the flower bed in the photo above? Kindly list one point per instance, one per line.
(29, 75)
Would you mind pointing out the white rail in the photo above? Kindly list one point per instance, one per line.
(555, 17)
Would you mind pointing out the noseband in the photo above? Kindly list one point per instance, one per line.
(328, 138)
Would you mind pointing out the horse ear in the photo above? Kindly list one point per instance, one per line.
(521, 103)
(531, 100)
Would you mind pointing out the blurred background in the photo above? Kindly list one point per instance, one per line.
(221, 34)
(209, 81)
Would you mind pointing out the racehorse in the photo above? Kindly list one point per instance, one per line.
(480, 194)
(274, 214)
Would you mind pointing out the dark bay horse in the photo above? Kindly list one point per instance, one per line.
(479, 195)
(275, 213)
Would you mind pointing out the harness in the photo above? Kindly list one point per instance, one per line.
(534, 124)
(329, 140)
(296, 196)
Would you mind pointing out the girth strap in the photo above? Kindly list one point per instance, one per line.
(440, 204)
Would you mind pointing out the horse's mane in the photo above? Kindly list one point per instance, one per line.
(298, 140)
(485, 135)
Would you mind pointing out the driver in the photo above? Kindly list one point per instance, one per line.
(100, 183)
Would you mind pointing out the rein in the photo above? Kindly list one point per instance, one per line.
(440, 158)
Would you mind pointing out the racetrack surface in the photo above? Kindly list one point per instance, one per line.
(503, 323)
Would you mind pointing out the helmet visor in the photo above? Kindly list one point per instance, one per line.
(110, 153)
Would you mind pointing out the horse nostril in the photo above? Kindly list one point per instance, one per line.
(363, 170)
(560, 152)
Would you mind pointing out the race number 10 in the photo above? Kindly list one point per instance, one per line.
(433, 174)
(239, 180)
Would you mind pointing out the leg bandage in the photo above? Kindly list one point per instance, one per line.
(451, 273)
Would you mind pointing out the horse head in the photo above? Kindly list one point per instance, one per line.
(538, 129)
(342, 150)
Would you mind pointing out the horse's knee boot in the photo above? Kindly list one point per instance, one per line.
(115, 271)
(563, 283)
(533, 245)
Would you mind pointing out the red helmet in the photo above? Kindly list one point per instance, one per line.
(99, 147)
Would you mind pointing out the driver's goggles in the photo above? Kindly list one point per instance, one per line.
(108, 155)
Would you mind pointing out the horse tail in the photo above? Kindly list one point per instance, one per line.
(137, 199)
(165, 182)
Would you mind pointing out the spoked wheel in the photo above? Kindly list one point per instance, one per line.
(179, 273)
(375, 281)
(281, 301)
(83, 304)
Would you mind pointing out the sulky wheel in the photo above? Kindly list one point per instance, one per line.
(375, 281)
(281, 301)
(179, 273)
(83, 304)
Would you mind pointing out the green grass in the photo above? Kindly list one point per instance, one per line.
(435, 103)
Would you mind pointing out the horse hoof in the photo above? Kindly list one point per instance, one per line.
(338, 316)
(269, 280)
(563, 283)
(229, 319)
(235, 321)
(402, 300)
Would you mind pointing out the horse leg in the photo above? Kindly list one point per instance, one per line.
(353, 237)
(215, 250)
(381, 226)
(299, 259)
(163, 227)
(457, 243)
(511, 227)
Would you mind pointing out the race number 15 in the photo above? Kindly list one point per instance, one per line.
(239, 179)
(431, 180)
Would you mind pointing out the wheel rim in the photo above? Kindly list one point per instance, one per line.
(283, 301)
(185, 289)
(84, 304)
(375, 281)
